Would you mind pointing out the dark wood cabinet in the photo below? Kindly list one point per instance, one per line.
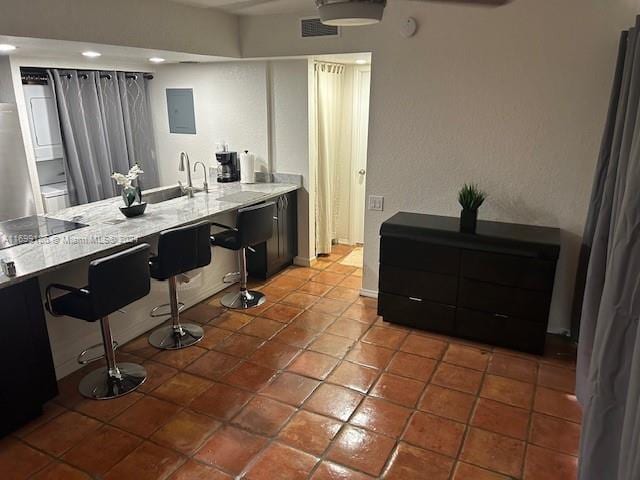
(279, 251)
(494, 286)
(26, 365)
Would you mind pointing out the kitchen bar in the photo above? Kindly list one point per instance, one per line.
(36, 348)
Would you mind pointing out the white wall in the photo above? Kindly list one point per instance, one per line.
(151, 24)
(260, 106)
(513, 98)
(230, 105)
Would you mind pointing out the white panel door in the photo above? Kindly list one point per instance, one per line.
(359, 164)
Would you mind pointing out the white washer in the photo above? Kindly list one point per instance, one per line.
(55, 197)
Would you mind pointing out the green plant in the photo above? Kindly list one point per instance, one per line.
(471, 197)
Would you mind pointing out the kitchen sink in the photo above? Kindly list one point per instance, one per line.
(163, 195)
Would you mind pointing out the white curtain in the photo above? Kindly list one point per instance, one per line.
(328, 81)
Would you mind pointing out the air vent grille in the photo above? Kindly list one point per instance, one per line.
(313, 27)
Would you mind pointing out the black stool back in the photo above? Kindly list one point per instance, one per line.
(119, 280)
(181, 250)
(255, 224)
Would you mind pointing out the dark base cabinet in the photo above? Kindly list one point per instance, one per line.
(493, 286)
(26, 366)
(279, 251)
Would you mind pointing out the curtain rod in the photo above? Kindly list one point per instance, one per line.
(38, 74)
(108, 76)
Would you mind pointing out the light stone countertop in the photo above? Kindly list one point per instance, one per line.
(109, 230)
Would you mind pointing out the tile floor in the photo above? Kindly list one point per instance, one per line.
(313, 385)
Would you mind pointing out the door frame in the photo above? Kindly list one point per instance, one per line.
(356, 145)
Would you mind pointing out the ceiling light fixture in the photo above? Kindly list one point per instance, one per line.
(156, 60)
(350, 13)
(5, 47)
(92, 54)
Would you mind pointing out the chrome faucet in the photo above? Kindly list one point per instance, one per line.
(205, 186)
(181, 167)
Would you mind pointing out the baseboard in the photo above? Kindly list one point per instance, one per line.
(303, 262)
(368, 293)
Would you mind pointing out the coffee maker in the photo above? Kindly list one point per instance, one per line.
(229, 168)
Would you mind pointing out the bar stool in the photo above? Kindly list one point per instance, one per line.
(114, 282)
(254, 225)
(180, 250)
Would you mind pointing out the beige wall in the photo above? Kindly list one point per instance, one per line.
(513, 98)
(289, 131)
(155, 24)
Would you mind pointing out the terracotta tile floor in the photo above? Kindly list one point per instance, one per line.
(314, 385)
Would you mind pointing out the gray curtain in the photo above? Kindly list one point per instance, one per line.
(136, 114)
(609, 344)
(106, 127)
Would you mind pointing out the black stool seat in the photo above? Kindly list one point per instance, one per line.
(228, 239)
(180, 250)
(77, 301)
(254, 225)
(114, 282)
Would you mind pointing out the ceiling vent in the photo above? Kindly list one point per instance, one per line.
(313, 27)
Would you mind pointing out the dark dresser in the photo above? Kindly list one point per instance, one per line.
(494, 286)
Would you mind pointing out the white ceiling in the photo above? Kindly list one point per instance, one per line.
(256, 7)
(67, 52)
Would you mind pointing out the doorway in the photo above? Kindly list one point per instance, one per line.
(339, 132)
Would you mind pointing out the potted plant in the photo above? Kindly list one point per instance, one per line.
(131, 194)
(470, 198)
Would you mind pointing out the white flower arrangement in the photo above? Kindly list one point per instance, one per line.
(125, 181)
(130, 193)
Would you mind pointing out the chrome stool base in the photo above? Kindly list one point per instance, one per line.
(100, 385)
(243, 300)
(172, 338)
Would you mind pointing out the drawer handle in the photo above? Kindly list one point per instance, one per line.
(499, 315)
(415, 299)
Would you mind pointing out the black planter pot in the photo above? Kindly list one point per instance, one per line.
(468, 221)
(134, 210)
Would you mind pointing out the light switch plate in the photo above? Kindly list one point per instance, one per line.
(376, 203)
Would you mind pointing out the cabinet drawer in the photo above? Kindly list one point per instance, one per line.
(416, 283)
(505, 331)
(516, 302)
(415, 313)
(510, 270)
(401, 252)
